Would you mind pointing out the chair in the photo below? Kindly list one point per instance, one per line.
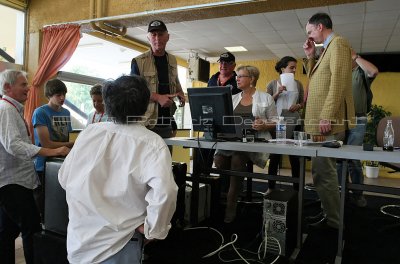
(389, 209)
(251, 197)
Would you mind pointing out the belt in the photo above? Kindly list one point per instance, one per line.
(361, 114)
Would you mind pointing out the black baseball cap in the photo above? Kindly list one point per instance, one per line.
(157, 25)
(227, 57)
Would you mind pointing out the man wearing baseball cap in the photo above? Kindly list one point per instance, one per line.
(161, 72)
(226, 75)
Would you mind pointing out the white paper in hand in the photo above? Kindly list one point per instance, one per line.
(287, 80)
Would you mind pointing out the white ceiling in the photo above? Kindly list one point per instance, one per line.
(371, 27)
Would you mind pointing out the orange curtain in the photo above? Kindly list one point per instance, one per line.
(58, 44)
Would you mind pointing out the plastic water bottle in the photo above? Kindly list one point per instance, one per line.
(281, 131)
(388, 136)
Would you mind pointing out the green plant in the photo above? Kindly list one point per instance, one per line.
(372, 163)
(374, 116)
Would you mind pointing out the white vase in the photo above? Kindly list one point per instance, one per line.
(371, 172)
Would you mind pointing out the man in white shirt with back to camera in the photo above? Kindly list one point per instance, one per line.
(118, 181)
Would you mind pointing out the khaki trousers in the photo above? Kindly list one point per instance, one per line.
(326, 184)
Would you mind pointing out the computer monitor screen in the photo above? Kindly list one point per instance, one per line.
(212, 110)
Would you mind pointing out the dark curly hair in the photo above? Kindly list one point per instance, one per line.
(283, 63)
(126, 99)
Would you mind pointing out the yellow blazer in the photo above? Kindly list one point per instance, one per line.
(330, 94)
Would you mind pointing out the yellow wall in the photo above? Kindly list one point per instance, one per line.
(386, 89)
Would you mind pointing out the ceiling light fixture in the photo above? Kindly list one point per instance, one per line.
(236, 49)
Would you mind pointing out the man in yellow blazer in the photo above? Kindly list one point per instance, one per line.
(330, 107)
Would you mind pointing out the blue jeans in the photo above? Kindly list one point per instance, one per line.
(131, 253)
(354, 137)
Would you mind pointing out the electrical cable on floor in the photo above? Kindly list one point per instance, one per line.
(266, 227)
(234, 238)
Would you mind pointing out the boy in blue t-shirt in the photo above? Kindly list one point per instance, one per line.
(52, 124)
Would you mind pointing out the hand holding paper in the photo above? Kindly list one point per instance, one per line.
(287, 80)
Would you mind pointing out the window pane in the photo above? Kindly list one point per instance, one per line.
(99, 58)
(12, 29)
(78, 95)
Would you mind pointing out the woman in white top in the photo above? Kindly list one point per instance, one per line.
(98, 115)
(289, 102)
(259, 105)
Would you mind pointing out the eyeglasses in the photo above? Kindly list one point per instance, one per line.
(241, 76)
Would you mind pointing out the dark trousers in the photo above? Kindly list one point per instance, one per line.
(38, 194)
(18, 214)
(274, 160)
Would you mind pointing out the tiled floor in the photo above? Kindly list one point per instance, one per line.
(394, 181)
(19, 252)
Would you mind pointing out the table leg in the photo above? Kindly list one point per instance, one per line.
(341, 212)
(194, 201)
(300, 209)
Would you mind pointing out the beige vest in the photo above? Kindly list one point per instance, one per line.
(148, 70)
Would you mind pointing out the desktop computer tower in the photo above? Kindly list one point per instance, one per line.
(280, 221)
(55, 204)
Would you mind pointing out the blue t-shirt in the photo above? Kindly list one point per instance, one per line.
(57, 122)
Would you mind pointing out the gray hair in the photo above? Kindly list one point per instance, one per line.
(10, 77)
(252, 71)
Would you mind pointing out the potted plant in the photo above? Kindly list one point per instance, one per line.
(374, 116)
(371, 169)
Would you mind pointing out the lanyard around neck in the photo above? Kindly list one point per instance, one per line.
(11, 103)
(98, 121)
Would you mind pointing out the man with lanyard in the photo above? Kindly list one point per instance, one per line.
(18, 211)
(226, 75)
(161, 72)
